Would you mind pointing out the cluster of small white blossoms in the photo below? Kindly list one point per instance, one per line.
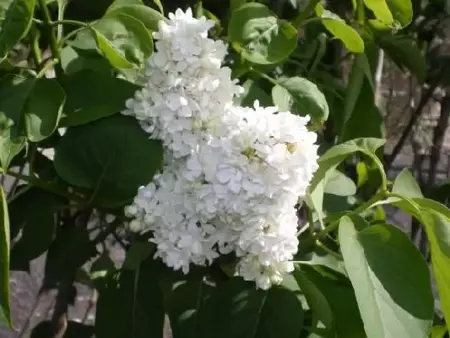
(232, 175)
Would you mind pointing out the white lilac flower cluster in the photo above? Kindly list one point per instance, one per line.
(232, 175)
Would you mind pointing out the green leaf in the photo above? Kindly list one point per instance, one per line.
(73, 61)
(253, 92)
(9, 147)
(300, 96)
(366, 119)
(390, 278)
(136, 296)
(5, 307)
(339, 184)
(118, 3)
(330, 160)
(123, 40)
(38, 224)
(61, 263)
(316, 300)
(335, 155)
(334, 204)
(438, 331)
(242, 311)
(340, 297)
(102, 266)
(404, 52)
(259, 36)
(435, 217)
(339, 29)
(14, 92)
(321, 259)
(148, 16)
(44, 109)
(363, 173)
(438, 233)
(85, 105)
(406, 185)
(137, 253)
(381, 10)
(34, 105)
(112, 156)
(315, 199)
(15, 17)
(402, 10)
(355, 83)
(159, 5)
(235, 4)
(189, 307)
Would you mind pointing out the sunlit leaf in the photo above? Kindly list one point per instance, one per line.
(259, 36)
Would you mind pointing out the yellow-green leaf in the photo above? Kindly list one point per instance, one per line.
(5, 307)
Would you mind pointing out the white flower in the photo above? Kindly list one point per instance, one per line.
(232, 175)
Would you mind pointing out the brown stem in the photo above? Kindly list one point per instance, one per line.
(91, 305)
(59, 319)
(31, 314)
(412, 121)
(438, 141)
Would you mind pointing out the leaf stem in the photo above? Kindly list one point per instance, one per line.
(310, 221)
(36, 51)
(320, 53)
(322, 246)
(68, 22)
(71, 35)
(263, 75)
(18, 194)
(44, 185)
(61, 9)
(47, 22)
(47, 66)
(380, 166)
(16, 182)
(381, 194)
(32, 155)
(360, 14)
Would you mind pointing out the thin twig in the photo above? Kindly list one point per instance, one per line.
(45, 185)
(91, 305)
(438, 141)
(59, 319)
(47, 66)
(32, 311)
(119, 240)
(333, 253)
(408, 105)
(16, 181)
(412, 121)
